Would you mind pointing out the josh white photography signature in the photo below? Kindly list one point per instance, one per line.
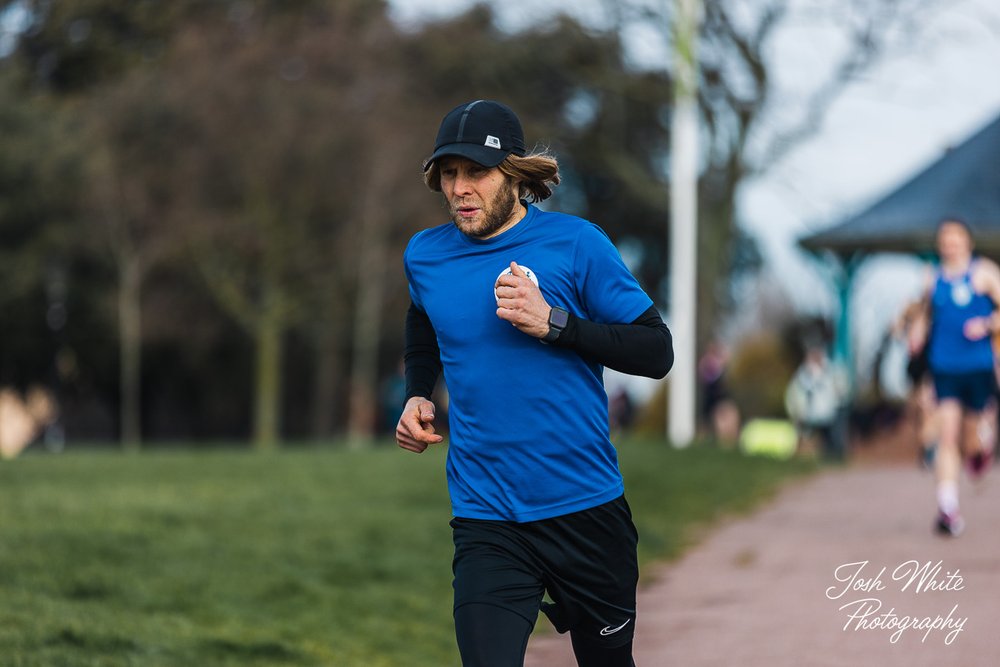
(865, 613)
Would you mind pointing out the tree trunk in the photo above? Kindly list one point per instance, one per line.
(267, 390)
(367, 330)
(370, 296)
(130, 352)
(715, 246)
(327, 372)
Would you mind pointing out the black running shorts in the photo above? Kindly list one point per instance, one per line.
(585, 561)
(973, 390)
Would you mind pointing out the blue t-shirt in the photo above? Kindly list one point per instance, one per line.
(953, 303)
(528, 421)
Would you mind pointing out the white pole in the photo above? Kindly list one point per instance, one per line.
(683, 223)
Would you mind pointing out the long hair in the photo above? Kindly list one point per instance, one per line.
(536, 175)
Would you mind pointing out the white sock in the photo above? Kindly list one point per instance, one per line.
(947, 496)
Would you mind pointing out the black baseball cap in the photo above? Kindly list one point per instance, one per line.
(483, 131)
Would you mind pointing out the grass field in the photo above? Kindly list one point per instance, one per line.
(305, 557)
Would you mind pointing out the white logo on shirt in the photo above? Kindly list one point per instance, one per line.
(492, 142)
(961, 294)
(506, 272)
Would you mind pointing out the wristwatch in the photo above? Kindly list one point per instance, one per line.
(558, 319)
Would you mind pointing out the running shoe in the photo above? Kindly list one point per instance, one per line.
(951, 525)
(979, 463)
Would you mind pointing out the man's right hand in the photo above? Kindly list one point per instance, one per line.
(415, 429)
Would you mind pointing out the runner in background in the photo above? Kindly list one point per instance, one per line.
(962, 296)
(921, 403)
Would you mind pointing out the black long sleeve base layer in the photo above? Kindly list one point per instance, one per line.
(643, 347)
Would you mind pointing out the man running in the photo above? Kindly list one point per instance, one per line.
(521, 309)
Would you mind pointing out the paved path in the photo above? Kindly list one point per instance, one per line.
(754, 592)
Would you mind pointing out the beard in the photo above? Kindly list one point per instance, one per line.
(493, 214)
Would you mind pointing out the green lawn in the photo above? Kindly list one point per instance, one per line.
(305, 557)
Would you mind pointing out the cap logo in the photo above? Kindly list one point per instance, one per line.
(492, 141)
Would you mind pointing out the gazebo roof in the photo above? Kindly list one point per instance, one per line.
(963, 183)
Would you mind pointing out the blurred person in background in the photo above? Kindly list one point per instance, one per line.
(522, 309)
(921, 403)
(23, 420)
(719, 412)
(814, 398)
(956, 327)
(621, 411)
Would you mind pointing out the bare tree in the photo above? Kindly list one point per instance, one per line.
(293, 191)
(750, 123)
(127, 173)
(258, 197)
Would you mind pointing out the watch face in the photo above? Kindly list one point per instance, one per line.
(558, 317)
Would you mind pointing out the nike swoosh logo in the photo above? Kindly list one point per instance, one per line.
(610, 631)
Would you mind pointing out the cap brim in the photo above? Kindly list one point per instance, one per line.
(484, 155)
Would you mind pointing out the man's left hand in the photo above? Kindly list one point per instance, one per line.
(521, 303)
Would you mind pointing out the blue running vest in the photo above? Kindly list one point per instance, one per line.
(953, 303)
